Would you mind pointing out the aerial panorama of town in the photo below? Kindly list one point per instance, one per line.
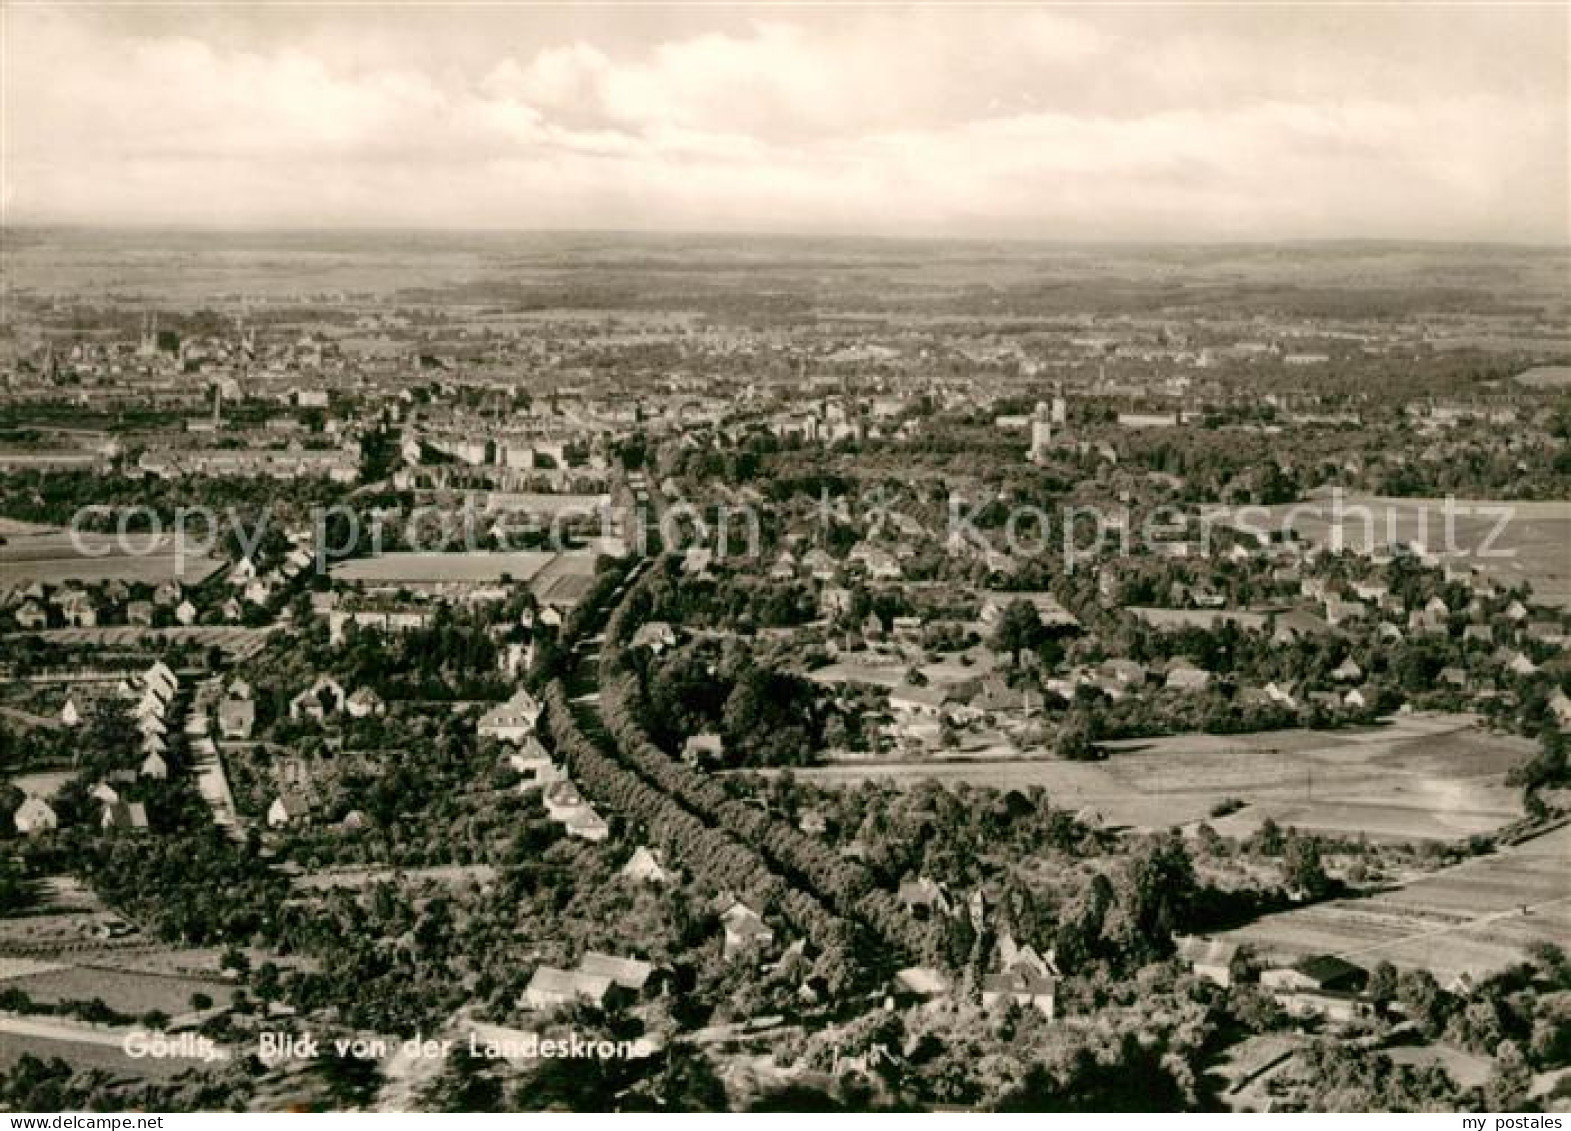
(542, 672)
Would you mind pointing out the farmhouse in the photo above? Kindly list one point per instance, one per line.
(1321, 973)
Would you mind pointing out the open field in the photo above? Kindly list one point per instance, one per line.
(83, 1047)
(877, 669)
(1465, 1068)
(1530, 546)
(1546, 377)
(564, 581)
(480, 567)
(126, 991)
(12, 527)
(51, 557)
(45, 783)
(559, 579)
(1473, 918)
(238, 642)
(1429, 776)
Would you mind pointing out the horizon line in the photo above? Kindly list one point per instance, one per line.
(140, 228)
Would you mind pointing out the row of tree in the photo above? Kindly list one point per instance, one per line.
(846, 885)
(725, 861)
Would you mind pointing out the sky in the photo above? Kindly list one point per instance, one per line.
(1192, 123)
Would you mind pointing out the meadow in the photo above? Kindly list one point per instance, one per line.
(1420, 777)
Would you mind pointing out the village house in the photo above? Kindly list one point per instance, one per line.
(533, 763)
(1347, 671)
(630, 974)
(918, 984)
(1320, 973)
(1187, 678)
(1560, 707)
(1320, 986)
(76, 609)
(927, 702)
(33, 616)
(236, 717)
(586, 824)
(123, 816)
(1024, 977)
(656, 635)
(924, 898)
(324, 697)
(289, 808)
(645, 866)
(745, 930)
(1211, 959)
(820, 565)
(512, 721)
(363, 703)
(35, 815)
(551, 987)
(701, 750)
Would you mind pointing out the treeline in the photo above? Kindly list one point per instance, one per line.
(719, 856)
(846, 885)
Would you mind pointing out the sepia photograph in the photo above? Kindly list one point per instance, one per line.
(655, 557)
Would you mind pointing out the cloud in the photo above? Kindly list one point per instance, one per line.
(1062, 123)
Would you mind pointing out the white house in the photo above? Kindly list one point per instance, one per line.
(512, 721)
(35, 815)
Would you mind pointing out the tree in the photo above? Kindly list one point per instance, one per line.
(235, 959)
(1383, 983)
(1018, 630)
(1076, 736)
(1153, 895)
(1508, 1087)
(1302, 867)
(1268, 838)
(1423, 1000)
